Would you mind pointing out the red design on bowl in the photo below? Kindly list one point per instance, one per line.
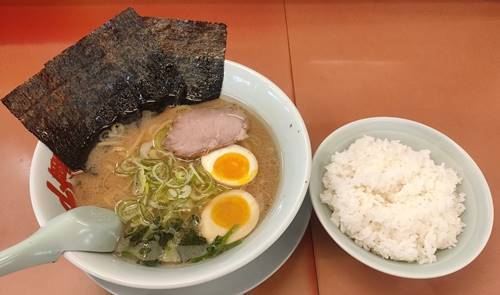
(61, 174)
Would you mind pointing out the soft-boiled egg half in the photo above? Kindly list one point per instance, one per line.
(232, 208)
(233, 165)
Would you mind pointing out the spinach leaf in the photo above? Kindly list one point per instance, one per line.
(192, 238)
(218, 246)
(137, 236)
(164, 237)
(174, 223)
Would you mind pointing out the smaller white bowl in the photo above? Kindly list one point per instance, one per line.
(478, 215)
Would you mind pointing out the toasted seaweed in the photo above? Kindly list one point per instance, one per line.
(199, 49)
(127, 65)
(108, 76)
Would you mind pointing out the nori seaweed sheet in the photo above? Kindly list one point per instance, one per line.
(108, 76)
(199, 49)
(127, 65)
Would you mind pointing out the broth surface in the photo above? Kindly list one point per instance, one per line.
(100, 186)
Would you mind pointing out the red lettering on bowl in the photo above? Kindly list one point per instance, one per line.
(61, 173)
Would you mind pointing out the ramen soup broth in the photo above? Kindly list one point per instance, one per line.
(101, 186)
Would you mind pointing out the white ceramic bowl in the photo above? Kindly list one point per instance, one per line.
(272, 104)
(478, 215)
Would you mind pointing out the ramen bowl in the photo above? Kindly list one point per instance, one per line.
(51, 193)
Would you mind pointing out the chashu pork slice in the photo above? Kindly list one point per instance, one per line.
(198, 131)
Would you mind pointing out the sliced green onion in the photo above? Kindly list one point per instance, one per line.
(184, 192)
(140, 184)
(160, 137)
(195, 173)
(164, 188)
(127, 166)
(160, 172)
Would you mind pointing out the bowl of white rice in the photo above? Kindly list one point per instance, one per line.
(401, 197)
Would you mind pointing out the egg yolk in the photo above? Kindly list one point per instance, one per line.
(231, 166)
(230, 211)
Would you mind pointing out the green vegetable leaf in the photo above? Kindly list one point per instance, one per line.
(192, 238)
(164, 237)
(137, 235)
(175, 223)
(218, 246)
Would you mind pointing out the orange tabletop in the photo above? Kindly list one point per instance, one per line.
(433, 62)
(436, 63)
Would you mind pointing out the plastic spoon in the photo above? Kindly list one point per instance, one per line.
(85, 228)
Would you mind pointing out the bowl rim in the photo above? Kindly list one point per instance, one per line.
(230, 265)
(382, 267)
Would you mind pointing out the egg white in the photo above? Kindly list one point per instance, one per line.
(208, 162)
(209, 229)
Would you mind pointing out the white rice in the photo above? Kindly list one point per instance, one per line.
(393, 200)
